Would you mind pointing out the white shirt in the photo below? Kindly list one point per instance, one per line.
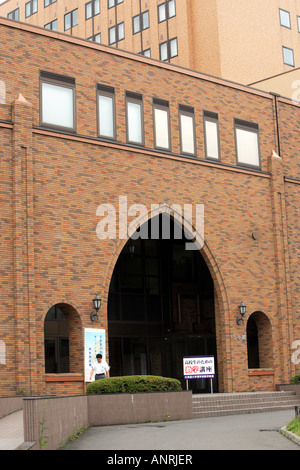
(100, 367)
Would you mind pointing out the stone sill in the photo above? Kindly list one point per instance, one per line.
(260, 372)
(64, 378)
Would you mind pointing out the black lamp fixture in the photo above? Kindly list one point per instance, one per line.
(131, 248)
(242, 308)
(97, 305)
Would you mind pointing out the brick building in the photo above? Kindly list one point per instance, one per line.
(255, 43)
(83, 126)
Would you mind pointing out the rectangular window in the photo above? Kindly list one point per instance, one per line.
(285, 19)
(116, 33)
(140, 22)
(106, 111)
(211, 135)
(161, 124)
(95, 38)
(187, 129)
(48, 2)
(146, 52)
(71, 19)
(52, 25)
(247, 143)
(288, 56)
(57, 101)
(168, 49)
(92, 9)
(298, 22)
(14, 15)
(134, 110)
(31, 8)
(166, 10)
(113, 3)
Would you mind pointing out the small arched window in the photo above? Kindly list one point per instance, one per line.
(56, 341)
(252, 344)
(2, 353)
(259, 341)
(2, 92)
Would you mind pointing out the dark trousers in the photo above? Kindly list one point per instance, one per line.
(99, 376)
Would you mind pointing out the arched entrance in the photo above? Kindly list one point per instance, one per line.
(160, 308)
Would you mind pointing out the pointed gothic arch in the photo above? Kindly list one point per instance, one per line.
(220, 297)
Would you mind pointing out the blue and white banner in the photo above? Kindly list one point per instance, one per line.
(94, 343)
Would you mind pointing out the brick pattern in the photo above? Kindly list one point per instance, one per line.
(52, 183)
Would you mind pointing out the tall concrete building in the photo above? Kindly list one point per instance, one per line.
(254, 43)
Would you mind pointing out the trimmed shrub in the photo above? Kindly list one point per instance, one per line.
(295, 379)
(133, 384)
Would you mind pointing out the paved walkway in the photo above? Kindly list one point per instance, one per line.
(11, 431)
(257, 431)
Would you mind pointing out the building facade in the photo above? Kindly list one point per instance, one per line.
(101, 147)
(255, 43)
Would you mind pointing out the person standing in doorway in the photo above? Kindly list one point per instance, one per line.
(100, 367)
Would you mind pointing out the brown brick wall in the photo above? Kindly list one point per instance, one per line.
(50, 218)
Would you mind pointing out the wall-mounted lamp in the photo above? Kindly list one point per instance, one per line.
(97, 304)
(242, 309)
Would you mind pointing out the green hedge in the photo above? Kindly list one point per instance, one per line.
(133, 384)
(295, 379)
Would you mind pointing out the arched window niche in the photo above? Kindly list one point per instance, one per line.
(259, 342)
(62, 334)
(2, 353)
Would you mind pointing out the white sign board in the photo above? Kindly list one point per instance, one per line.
(199, 367)
(94, 343)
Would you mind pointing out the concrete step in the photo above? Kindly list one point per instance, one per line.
(238, 403)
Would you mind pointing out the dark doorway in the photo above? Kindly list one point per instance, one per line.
(160, 309)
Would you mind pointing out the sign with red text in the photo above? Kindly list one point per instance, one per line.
(199, 367)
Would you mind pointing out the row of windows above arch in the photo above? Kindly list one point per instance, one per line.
(58, 104)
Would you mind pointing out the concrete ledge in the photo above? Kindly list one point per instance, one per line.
(26, 446)
(290, 435)
(288, 388)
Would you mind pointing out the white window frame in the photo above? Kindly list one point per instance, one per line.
(163, 11)
(168, 45)
(113, 3)
(286, 60)
(109, 93)
(92, 9)
(96, 38)
(242, 128)
(52, 26)
(119, 33)
(285, 18)
(212, 149)
(31, 8)
(73, 19)
(14, 14)
(136, 100)
(161, 107)
(48, 2)
(49, 78)
(139, 23)
(187, 144)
